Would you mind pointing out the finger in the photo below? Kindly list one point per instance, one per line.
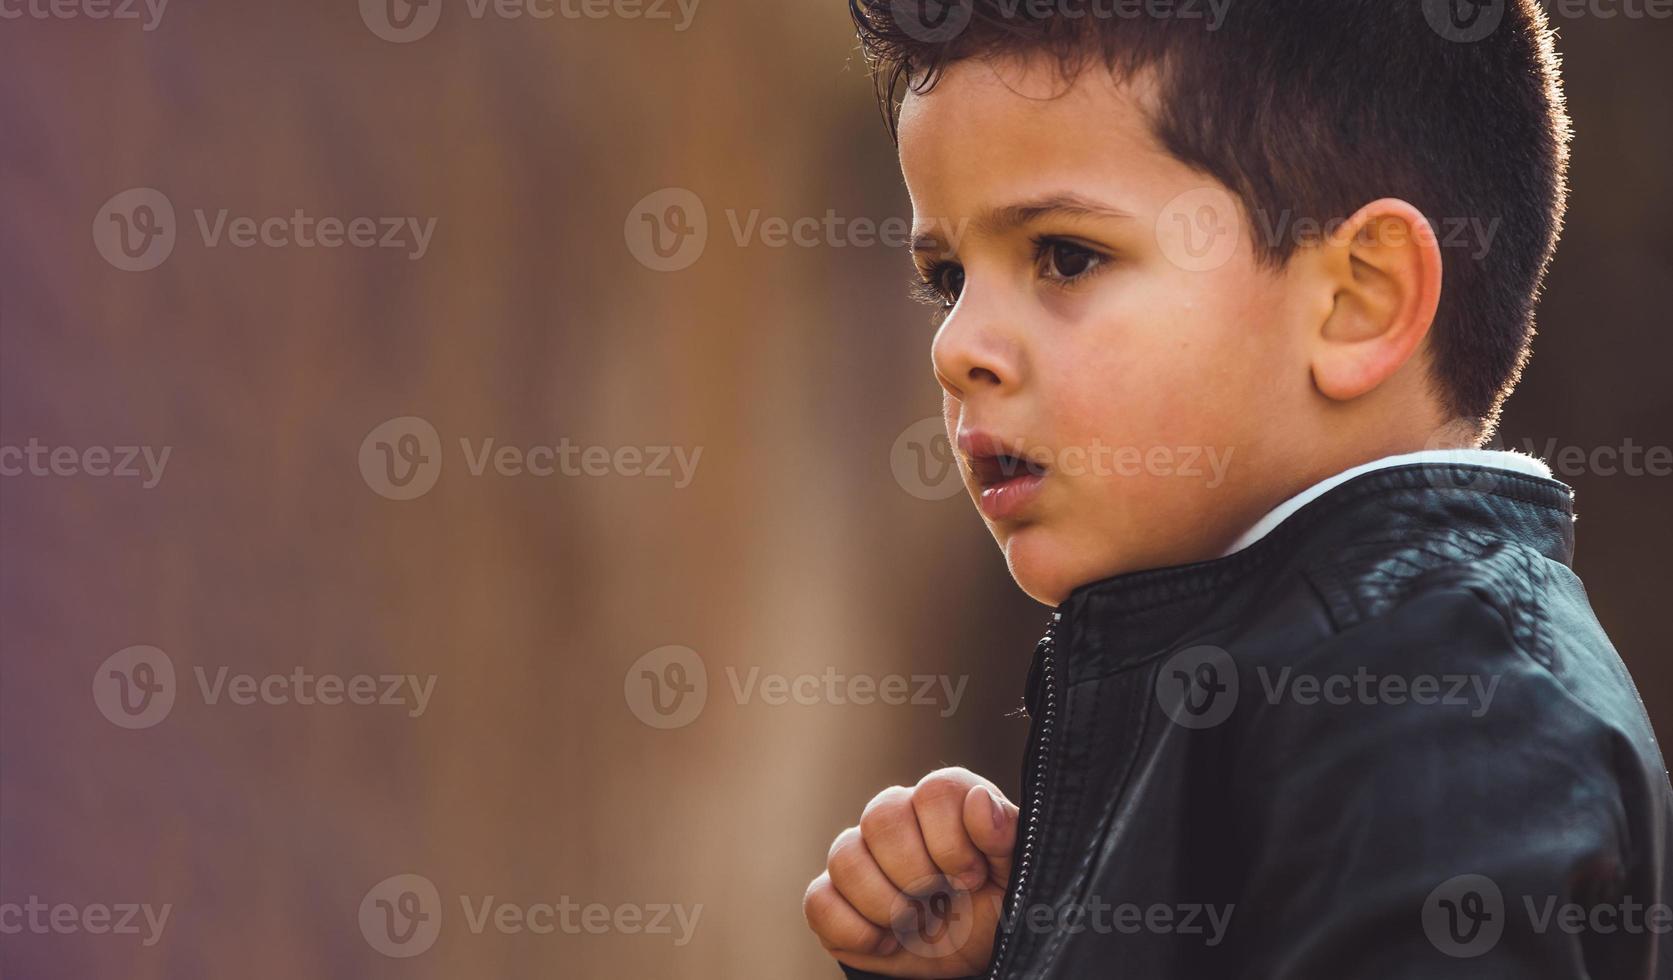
(892, 835)
(938, 802)
(991, 821)
(860, 881)
(839, 926)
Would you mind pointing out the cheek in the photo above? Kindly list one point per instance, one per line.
(1144, 368)
(1175, 359)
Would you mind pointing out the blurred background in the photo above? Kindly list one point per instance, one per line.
(582, 690)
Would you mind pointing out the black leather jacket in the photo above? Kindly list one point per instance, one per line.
(1389, 739)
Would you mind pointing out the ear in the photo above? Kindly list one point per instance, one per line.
(1383, 266)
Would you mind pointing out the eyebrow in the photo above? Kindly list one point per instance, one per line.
(998, 220)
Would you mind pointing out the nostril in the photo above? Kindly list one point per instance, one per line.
(982, 375)
(953, 391)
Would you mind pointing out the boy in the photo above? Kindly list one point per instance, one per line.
(1347, 713)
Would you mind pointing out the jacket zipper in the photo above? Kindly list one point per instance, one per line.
(1035, 790)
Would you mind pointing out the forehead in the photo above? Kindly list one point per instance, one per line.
(993, 130)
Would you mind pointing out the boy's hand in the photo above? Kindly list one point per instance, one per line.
(915, 890)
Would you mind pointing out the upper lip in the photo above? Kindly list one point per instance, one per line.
(992, 459)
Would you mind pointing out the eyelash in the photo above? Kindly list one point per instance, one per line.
(927, 287)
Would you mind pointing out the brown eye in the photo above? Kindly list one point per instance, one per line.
(938, 286)
(1069, 261)
(949, 282)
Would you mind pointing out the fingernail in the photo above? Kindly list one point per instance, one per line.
(888, 947)
(998, 810)
(972, 879)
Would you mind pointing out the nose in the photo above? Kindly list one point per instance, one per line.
(976, 350)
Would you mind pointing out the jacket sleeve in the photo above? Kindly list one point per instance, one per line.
(1437, 832)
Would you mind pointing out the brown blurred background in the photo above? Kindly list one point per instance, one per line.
(800, 544)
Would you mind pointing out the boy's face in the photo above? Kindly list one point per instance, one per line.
(1096, 328)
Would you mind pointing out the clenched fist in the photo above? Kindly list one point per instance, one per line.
(915, 890)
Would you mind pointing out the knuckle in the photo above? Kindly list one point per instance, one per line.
(844, 843)
(849, 859)
(944, 786)
(816, 900)
(886, 810)
(822, 908)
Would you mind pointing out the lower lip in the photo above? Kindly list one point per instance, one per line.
(1006, 501)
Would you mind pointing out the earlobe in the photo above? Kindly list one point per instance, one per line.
(1384, 265)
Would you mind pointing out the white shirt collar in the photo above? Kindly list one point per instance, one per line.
(1497, 458)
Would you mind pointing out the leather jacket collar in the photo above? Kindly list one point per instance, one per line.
(1108, 623)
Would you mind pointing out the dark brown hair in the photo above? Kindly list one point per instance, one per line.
(1314, 108)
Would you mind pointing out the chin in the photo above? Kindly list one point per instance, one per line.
(1042, 563)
